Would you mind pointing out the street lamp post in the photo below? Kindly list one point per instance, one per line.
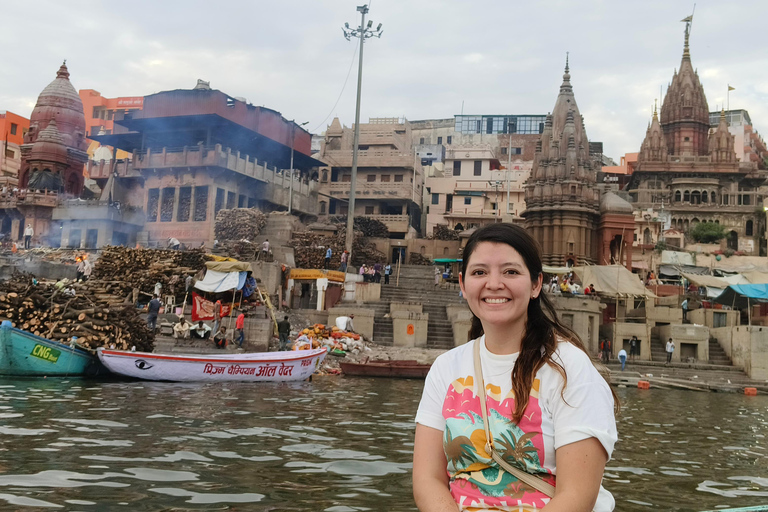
(290, 184)
(362, 32)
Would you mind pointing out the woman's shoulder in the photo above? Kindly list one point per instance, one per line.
(455, 357)
(572, 357)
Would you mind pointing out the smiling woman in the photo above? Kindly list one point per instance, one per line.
(538, 440)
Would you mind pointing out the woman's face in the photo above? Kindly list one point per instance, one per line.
(498, 285)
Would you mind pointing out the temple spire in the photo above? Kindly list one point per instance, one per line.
(688, 21)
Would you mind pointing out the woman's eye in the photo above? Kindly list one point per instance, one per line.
(478, 272)
(511, 271)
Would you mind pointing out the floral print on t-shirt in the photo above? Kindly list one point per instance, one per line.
(476, 481)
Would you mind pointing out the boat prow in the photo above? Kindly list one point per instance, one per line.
(28, 355)
(255, 366)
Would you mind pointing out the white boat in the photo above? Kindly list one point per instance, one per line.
(254, 366)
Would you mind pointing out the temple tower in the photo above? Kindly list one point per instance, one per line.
(562, 203)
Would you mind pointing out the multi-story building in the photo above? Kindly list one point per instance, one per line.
(512, 140)
(471, 190)
(12, 130)
(193, 153)
(748, 144)
(695, 171)
(389, 174)
(100, 115)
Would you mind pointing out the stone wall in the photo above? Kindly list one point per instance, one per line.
(582, 314)
(749, 347)
(363, 320)
(694, 337)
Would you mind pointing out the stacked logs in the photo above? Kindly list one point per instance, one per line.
(309, 249)
(239, 224)
(418, 259)
(443, 232)
(124, 269)
(52, 312)
(371, 227)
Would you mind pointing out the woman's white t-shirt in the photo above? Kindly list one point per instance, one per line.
(450, 404)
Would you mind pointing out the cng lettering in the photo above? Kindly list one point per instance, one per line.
(46, 353)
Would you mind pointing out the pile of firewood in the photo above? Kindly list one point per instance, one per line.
(239, 224)
(309, 249)
(373, 228)
(443, 232)
(63, 313)
(125, 268)
(418, 259)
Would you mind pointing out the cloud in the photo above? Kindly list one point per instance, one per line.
(434, 56)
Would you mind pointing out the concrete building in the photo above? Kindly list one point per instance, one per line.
(747, 142)
(471, 190)
(100, 117)
(694, 171)
(12, 130)
(193, 153)
(389, 174)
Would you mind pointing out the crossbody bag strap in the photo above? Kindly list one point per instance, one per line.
(525, 477)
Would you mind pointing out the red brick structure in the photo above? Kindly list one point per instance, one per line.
(694, 175)
(561, 197)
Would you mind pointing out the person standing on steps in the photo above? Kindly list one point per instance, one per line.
(623, 358)
(387, 273)
(670, 350)
(328, 255)
(634, 345)
(437, 276)
(28, 234)
(343, 264)
(684, 305)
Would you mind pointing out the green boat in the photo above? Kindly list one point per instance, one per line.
(27, 355)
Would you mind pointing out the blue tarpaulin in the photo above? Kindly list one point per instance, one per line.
(742, 295)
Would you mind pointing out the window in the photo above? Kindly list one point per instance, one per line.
(167, 200)
(398, 178)
(421, 140)
(153, 201)
(489, 125)
(457, 168)
(719, 319)
(325, 177)
(371, 178)
(448, 139)
(9, 153)
(467, 200)
(219, 204)
(478, 167)
(95, 113)
(369, 210)
(439, 140)
(748, 228)
(503, 151)
(185, 200)
(516, 151)
(322, 207)
(677, 196)
(346, 178)
(385, 178)
(201, 203)
(14, 128)
(435, 198)
(231, 196)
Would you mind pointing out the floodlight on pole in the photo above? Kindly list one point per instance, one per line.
(290, 184)
(362, 32)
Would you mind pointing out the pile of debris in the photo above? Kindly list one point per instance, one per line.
(239, 224)
(125, 268)
(71, 312)
(334, 338)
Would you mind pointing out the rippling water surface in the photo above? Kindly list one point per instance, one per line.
(334, 444)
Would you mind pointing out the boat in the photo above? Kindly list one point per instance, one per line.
(404, 369)
(28, 355)
(254, 366)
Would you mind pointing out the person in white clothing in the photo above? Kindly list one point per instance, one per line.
(345, 323)
(549, 412)
(28, 234)
(670, 350)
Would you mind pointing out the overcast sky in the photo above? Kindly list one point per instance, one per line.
(497, 57)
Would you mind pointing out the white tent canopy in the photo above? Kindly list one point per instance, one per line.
(613, 280)
(218, 282)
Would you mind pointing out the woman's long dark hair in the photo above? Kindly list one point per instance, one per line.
(542, 328)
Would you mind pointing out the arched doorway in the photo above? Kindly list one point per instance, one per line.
(733, 240)
(647, 239)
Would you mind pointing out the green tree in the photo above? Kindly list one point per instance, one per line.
(707, 232)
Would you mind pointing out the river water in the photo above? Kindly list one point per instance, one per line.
(334, 444)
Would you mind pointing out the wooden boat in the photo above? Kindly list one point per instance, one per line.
(256, 366)
(404, 369)
(25, 354)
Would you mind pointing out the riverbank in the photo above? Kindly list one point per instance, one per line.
(687, 376)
